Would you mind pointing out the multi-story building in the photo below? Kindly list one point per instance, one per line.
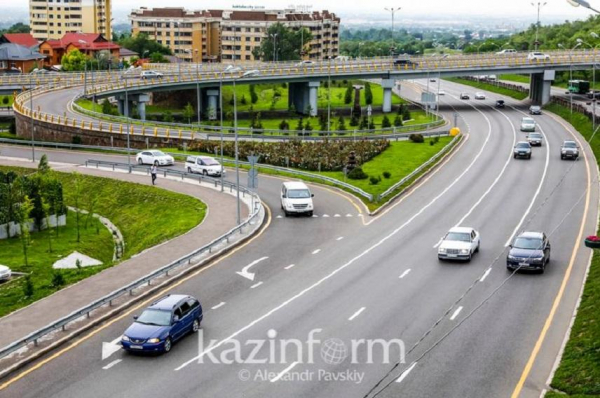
(213, 35)
(52, 19)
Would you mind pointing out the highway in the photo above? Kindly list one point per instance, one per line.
(352, 277)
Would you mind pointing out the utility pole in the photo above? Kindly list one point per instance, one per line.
(393, 10)
(539, 6)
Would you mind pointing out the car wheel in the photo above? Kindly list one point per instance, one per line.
(529, 157)
(195, 326)
(140, 161)
(562, 157)
(310, 213)
(515, 156)
(205, 173)
(156, 163)
(477, 248)
(543, 269)
(286, 213)
(189, 170)
(168, 344)
(470, 257)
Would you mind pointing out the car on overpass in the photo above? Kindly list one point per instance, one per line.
(154, 157)
(404, 62)
(528, 124)
(151, 74)
(535, 110)
(460, 243)
(530, 251)
(522, 150)
(535, 139)
(507, 51)
(479, 96)
(204, 165)
(569, 150)
(161, 324)
(537, 56)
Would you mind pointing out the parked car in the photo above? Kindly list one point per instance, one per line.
(529, 251)
(535, 110)
(464, 96)
(460, 243)
(507, 51)
(161, 324)
(204, 165)
(151, 74)
(537, 56)
(535, 139)
(522, 150)
(569, 150)
(296, 198)
(5, 273)
(479, 96)
(157, 158)
(527, 124)
(500, 104)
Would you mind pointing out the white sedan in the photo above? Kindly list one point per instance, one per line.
(480, 96)
(537, 56)
(157, 158)
(460, 243)
(5, 273)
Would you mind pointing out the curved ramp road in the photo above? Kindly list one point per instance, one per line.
(467, 329)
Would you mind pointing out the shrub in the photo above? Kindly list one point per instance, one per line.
(76, 140)
(341, 124)
(243, 100)
(387, 174)
(368, 94)
(284, 125)
(5, 100)
(417, 138)
(385, 122)
(374, 180)
(357, 174)
(253, 95)
(300, 125)
(58, 279)
(406, 114)
(354, 120)
(431, 143)
(307, 126)
(398, 121)
(348, 95)
(168, 117)
(28, 287)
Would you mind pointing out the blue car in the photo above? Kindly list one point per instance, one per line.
(164, 322)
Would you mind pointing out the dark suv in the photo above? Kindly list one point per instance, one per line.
(164, 322)
(529, 252)
(569, 150)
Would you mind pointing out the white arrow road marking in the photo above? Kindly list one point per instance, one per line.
(458, 310)
(283, 372)
(222, 303)
(110, 348)
(405, 273)
(250, 275)
(357, 313)
(405, 373)
(113, 363)
(486, 274)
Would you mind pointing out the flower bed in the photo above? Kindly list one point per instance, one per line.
(592, 242)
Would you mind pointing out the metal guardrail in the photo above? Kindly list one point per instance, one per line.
(418, 170)
(185, 260)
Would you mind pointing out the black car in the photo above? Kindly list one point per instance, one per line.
(529, 252)
(569, 150)
(522, 150)
(464, 96)
(403, 62)
(535, 110)
(593, 94)
(500, 104)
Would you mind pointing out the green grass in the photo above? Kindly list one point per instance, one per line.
(578, 374)
(9, 98)
(490, 87)
(515, 78)
(145, 215)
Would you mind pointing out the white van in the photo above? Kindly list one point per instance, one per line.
(296, 198)
(204, 165)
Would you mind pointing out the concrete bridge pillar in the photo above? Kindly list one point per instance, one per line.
(213, 103)
(540, 87)
(313, 88)
(304, 95)
(142, 100)
(387, 85)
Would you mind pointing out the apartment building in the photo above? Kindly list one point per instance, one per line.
(214, 35)
(52, 19)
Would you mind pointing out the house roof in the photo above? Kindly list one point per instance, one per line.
(15, 52)
(83, 41)
(23, 39)
(125, 52)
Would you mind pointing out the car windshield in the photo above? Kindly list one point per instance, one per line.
(528, 121)
(210, 162)
(155, 317)
(528, 243)
(459, 236)
(157, 153)
(568, 144)
(523, 145)
(535, 136)
(298, 193)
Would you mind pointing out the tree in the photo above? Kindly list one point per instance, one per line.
(141, 44)
(284, 125)
(19, 27)
(22, 213)
(168, 117)
(368, 94)
(348, 94)
(406, 114)
(385, 122)
(74, 60)
(300, 125)
(341, 124)
(308, 126)
(158, 58)
(398, 121)
(46, 209)
(76, 198)
(243, 100)
(188, 112)
(253, 95)
(43, 166)
(288, 43)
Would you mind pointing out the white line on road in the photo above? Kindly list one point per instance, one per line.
(340, 238)
(222, 303)
(485, 275)
(348, 215)
(458, 310)
(280, 375)
(279, 216)
(316, 251)
(290, 266)
(405, 373)
(439, 243)
(405, 273)
(337, 215)
(357, 313)
(256, 285)
(325, 216)
(113, 363)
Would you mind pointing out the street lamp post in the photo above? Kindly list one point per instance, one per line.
(539, 6)
(274, 37)
(31, 114)
(393, 10)
(570, 69)
(583, 3)
(594, 49)
(128, 125)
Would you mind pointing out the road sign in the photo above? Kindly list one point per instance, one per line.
(428, 98)
(253, 178)
(253, 160)
(369, 110)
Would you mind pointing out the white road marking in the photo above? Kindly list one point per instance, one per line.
(337, 215)
(348, 215)
(250, 275)
(325, 216)
(279, 216)
(222, 303)
(439, 243)
(340, 238)
(458, 310)
(315, 216)
(256, 285)
(110, 348)
(283, 372)
(316, 251)
(357, 313)
(405, 373)
(290, 266)
(405, 273)
(113, 363)
(485, 275)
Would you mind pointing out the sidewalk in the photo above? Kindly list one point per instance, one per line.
(220, 218)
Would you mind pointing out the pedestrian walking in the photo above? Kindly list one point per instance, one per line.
(153, 171)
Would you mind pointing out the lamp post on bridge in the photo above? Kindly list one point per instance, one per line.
(570, 69)
(392, 10)
(594, 49)
(583, 3)
(539, 6)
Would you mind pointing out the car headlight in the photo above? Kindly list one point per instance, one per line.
(442, 250)
(154, 340)
(125, 338)
(290, 206)
(464, 251)
(538, 258)
(511, 257)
